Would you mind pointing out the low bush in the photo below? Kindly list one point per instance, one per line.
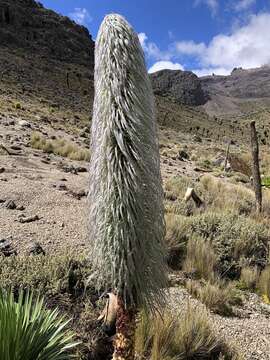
(187, 337)
(236, 240)
(46, 274)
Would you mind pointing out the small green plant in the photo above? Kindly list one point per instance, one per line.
(266, 181)
(18, 106)
(30, 332)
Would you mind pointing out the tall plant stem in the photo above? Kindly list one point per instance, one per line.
(125, 333)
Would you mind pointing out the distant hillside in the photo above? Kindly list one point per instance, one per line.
(45, 58)
(47, 73)
(26, 24)
(241, 92)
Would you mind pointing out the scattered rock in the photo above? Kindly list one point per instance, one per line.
(59, 186)
(10, 204)
(20, 208)
(6, 248)
(81, 169)
(29, 219)
(183, 155)
(2, 169)
(36, 249)
(79, 194)
(15, 147)
(85, 133)
(24, 124)
(69, 169)
(197, 138)
(197, 169)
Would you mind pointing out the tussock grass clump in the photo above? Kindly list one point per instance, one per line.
(217, 296)
(186, 337)
(249, 277)
(59, 147)
(217, 195)
(200, 258)
(223, 196)
(263, 284)
(235, 239)
(176, 240)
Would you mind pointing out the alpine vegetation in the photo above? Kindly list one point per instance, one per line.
(126, 196)
(28, 331)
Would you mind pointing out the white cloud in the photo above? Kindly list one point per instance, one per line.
(213, 5)
(211, 71)
(81, 16)
(142, 37)
(161, 65)
(151, 49)
(243, 4)
(189, 48)
(248, 46)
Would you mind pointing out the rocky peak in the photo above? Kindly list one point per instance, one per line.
(182, 86)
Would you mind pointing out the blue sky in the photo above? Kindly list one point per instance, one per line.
(205, 36)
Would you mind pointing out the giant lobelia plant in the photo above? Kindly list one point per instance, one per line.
(126, 197)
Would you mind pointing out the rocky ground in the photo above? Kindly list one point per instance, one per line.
(43, 207)
(249, 331)
(43, 196)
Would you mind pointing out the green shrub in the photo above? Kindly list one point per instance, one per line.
(266, 181)
(48, 275)
(30, 332)
(235, 239)
(18, 106)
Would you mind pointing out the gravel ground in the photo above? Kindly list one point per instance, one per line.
(37, 183)
(250, 333)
